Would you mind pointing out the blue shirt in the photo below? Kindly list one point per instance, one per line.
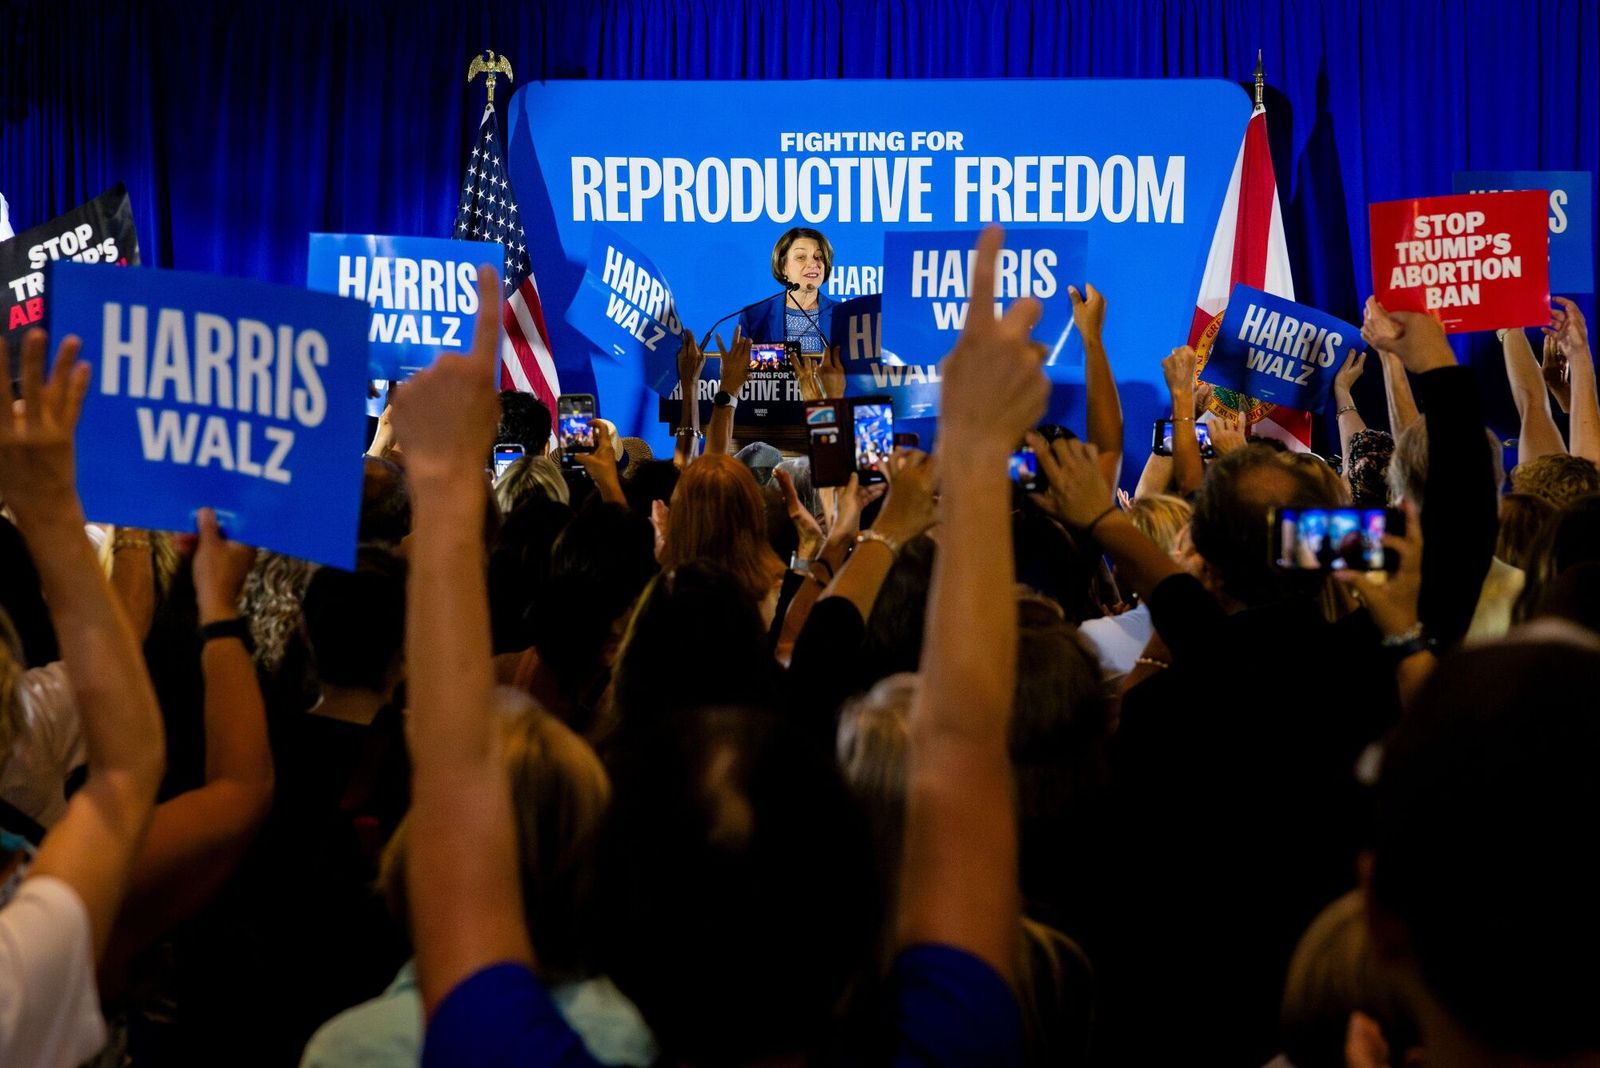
(950, 1010)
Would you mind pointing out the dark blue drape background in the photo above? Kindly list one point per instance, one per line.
(239, 128)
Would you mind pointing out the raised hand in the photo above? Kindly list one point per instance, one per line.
(445, 417)
(1393, 602)
(220, 569)
(690, 358)
(1556, 372)
(37, 476)
(1203, 392)
(909, 508)
(994, 386)
(601, 464)
(1227, 435)
(1088, 310)
(1568, 328)
(1178, 370)
(807, 375)
(831, 373)
(1417, 339)
(735, 363)
(1345, 378)
(1078, 490)
(805, 524)
(850, 501)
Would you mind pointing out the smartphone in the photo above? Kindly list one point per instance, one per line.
(1334, 539)
(772, 356)
(907, 439)
(505, 455)
(872, 421)
(1161, 440)
(1025, 471)
(574, 425)
(828, 441)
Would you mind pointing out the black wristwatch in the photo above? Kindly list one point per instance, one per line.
(237, 627)
(724, 399)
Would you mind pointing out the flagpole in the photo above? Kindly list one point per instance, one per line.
(1261, 81)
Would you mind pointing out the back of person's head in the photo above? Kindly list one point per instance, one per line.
(638, 451)
(1522, 516)
(1486, 873)
(1050, 562)
(1408, 467)
(1558, 478)
(873, 740)
(519, 564)
(1567, 539)
(665, 663)
(524, 420)
(798, 468)
(717, 514)
(356, 621)
(761, 459)
(737, 886)
(1366, 469)
(1160, 517)
(1061, 721)
(1332, 486)
(899, 614)
(559, 795)
(1229, 528)
(653, 480)
(1334, 973)
(600, 564)
(385, 504)
(527, 477)
(274, 592)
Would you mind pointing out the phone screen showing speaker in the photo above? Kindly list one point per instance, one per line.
(1333, 539)
(1025, 470)
(772, 356)
(575, 422)
(873, 419)
(1162, 445)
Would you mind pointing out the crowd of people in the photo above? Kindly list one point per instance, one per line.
(638, 761)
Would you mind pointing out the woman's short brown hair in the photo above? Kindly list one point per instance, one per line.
(780, 251)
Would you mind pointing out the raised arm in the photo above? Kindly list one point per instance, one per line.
(735, 369)
(197, 839)
(601, 467)
(906, 512)
(1104, 416)
(690, 361)
(1572, 335)
(1538, 435)
(133, 577)
(1350, 421)
(91, 848)
(1397, 391)
(1188, 469)
(959, 874)
(461, 860)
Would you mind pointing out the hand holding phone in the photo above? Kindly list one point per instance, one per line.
(574, 425)
(1026, 473)
(873, 421)
(1334, 539)
(1161, 439)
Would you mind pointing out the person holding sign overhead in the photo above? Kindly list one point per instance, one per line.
(801, 261)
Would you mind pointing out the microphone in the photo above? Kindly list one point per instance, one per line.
(788, 287)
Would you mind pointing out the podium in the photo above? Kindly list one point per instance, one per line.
(770, 408)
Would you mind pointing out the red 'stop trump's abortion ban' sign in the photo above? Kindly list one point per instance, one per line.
(1474, 262)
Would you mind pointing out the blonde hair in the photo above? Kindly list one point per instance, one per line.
(559, 794)
(1161, 517)
(527, 475)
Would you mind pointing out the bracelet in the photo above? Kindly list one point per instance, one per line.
(1152, 662)
(237, 627)
(1500, 335)
(128, 541)
(1346, 408)
(1088, 531)
(820, 562)
(1182, 419)
(884, 539)
(683, 430)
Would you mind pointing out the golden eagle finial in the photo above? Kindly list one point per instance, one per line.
(491, 65)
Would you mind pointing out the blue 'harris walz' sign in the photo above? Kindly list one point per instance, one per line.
(871, 370)
(1571, 218)
(423, 292)
(1278, 351)
(242, 396)
(927, 277)
(626, 307)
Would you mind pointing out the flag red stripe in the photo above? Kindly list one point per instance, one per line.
(1253, 227)
(528, 361)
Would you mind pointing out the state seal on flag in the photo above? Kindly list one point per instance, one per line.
(1226, 403)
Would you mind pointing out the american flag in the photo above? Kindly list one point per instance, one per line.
(488, 212)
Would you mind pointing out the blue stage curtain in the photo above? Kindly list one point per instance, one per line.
(238, 128)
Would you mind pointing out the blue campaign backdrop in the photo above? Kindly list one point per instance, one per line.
(625, 307)
(243, 396)
(948, 157)
(423, 292)
(1571, 219)
(365, 124)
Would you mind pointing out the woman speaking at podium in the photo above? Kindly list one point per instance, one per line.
(802, 260)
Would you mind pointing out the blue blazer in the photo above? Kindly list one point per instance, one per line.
(764, 322)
